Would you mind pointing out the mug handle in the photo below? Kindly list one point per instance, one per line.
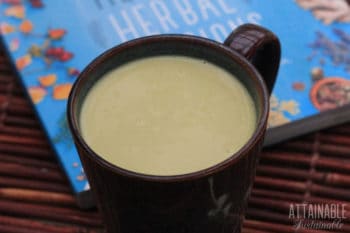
(260, 47)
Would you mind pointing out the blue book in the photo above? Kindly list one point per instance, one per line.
(50, 42)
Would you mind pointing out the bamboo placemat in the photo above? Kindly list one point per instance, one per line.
(35, 195)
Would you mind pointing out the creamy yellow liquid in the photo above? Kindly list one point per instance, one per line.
(167, 115)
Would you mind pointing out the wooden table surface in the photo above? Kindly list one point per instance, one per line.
(35, 195)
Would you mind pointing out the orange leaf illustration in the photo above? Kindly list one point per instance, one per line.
(47, 80)
(14, 44)
(16, 11)
(23, 62)
(6, 28)
(56, 34)
(37, 94)
(26, 26)
(61, 92)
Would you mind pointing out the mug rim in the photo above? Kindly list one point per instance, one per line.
(225, 49)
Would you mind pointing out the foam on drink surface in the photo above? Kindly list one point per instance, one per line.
(167, 115)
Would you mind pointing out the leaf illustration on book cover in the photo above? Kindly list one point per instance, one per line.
(23, 61)
(58, 54)
(26, 26)
(16, 11)
(6, 28)
(37, 94)
(47, 80)
(56, 34)
(61, 91)
(279, 110)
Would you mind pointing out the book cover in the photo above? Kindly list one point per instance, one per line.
(50, 42)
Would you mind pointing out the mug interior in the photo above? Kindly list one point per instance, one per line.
(189, 46)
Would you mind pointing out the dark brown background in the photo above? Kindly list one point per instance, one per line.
(35, 195)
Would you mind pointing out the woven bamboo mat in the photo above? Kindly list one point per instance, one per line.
(35, 195)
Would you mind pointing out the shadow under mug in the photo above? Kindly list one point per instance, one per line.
(212, 200)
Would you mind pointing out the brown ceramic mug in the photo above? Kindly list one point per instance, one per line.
(209, 200)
